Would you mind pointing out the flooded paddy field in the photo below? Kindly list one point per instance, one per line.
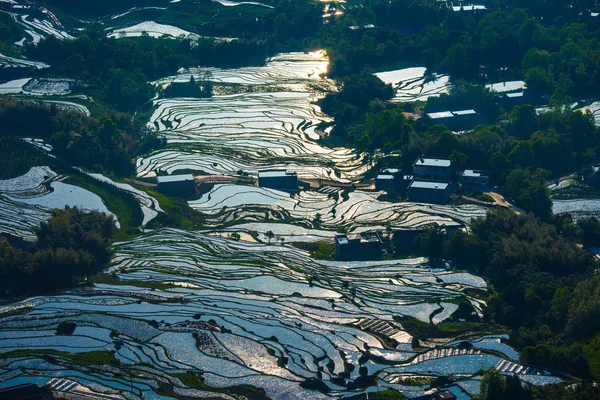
(276, 125)
(198, 314)
(329, 208)
(231, 312)
(28, 200)
(575, 198)
(415, 83)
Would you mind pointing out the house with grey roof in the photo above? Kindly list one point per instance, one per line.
(429, 192)
(278, 179)
(182, 185)
(432, 169)
(474, 177)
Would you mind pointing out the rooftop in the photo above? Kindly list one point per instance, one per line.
(515, 94)
(509, 86)
(433, 162)
(446, 395)
(385, 177)
(440, 115)
(450, 114)
(275, 173)
(391, 171)
(428, 185)
(174, 178)
(464, 112)
(469, 7)
(475, 173)
(365, 237)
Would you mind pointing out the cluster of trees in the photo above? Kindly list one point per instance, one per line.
(18, 157)
(71, 244)
(106, 144)
(543, 281)
(8, 34)
(200, 90)
(495, 386)
(560, 58)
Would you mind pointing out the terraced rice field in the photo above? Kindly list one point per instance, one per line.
(7, 63)
(149, 205)
(413, 84)
(27, 201)
(36, 28)
(155, 30)
(239, 313)
(594, 109)
(267, 128)
(354, 211)
(576, 198)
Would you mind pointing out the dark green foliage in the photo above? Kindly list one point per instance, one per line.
(494, 386)
(559, 59)
(356, 94)
(543, 281)
(105, 144)
(315, 384)
(72, 244)
(189, 89)
(529, 191)
(18, 157)
(95, 9)
(580, 391)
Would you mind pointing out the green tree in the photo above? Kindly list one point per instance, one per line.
(493, 385)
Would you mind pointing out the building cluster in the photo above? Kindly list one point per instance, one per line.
(511, 94)
(431, 180)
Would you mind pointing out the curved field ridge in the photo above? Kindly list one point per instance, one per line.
(26, 201)
(275, 125)
(238, 313)
(284, 68)
(247, 132)
(412, 84)
(336, 209)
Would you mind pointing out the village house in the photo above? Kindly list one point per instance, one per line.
(278, 179)
(432, 169)
(177, 185)
(358, 246)
(513, 99)
(456, 120)
(474, 177)
(429, 192)
(392, 179)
